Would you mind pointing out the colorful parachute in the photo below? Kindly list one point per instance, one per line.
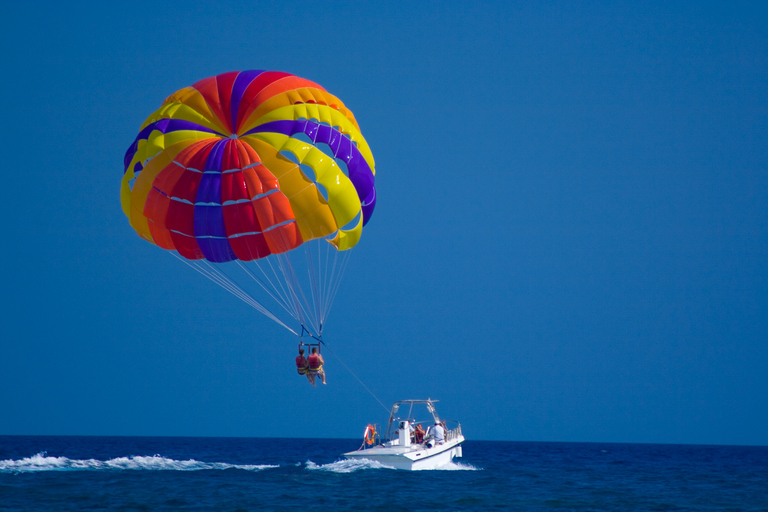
(247, 165)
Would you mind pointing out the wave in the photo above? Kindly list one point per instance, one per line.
(350, 466)
(42, 462)
(347, 465)
(457, 466)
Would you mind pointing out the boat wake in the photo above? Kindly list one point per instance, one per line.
(352, 465)
(456, 466)
(347, 466)
(42, 462)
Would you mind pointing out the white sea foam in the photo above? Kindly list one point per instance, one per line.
(347, 465)
(351, 465)
(456, 466)
(42, 462)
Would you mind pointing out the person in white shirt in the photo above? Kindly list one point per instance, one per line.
(437, 433)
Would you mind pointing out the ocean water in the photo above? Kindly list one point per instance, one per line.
(242, 474)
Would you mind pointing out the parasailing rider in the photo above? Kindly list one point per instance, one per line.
(316, 365)
(302, 366)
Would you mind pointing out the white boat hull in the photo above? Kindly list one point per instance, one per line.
(413, 457)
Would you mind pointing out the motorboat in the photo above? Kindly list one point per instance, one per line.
(406, 444)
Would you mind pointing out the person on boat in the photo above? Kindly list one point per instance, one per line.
(418, 434)
(437, 433)
(302, 366)
(316, 365)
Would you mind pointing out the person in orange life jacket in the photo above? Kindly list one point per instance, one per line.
(302, 366)
(418, 434)
(316, 365)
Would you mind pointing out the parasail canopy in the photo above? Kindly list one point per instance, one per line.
(254, 166)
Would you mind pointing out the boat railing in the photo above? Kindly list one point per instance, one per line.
(453, 433)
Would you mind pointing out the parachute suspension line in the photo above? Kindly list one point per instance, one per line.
(288, 297)
(326, 279)
(294, 285)
(270, 288)
(355, 376)
(333, 280)
(221, 279)
(290, 280)
(314, 284)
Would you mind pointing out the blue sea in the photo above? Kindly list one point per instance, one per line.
(241, 474)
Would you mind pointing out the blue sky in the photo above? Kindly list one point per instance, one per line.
(570, 241)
